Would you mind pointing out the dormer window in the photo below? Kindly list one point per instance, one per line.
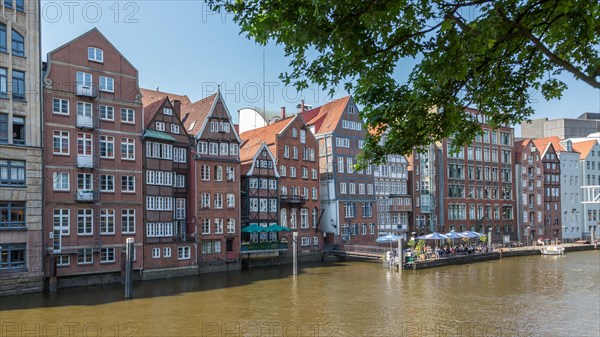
(168, 111)
(95, 54)
(351, 109)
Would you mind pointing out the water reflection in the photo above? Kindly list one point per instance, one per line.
(550, 296)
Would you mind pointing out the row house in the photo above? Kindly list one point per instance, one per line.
(394, 204)
(538, 167)
(260, 203)
(168, 236)
(589, 173)
(20, 148)
(93, 187)
(469, 188)
(215, 194)
(295, 150)
(347, 195)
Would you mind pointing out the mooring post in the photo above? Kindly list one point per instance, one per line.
(129, 268)
(295, 252)
(400, 257)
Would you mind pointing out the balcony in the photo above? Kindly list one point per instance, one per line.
(263, 246)
(85, 196)
(86, 90)
(86, 122)
(292, 199)
(86, 161)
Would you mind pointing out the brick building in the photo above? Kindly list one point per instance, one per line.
(347, 196)
(296, 152)
(20, 148)
(539, 170)
(93, 191)
(469, 189)
(260, 201)
(168, 237)
(215, 193)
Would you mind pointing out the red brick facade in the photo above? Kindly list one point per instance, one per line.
(93, 185)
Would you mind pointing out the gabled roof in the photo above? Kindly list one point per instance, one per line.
(194, 115)
(151, 110)
(584, 148)
(248, 156)
(543, 145)
(91, 31)
(520, 145)
(266, 134)
(326, 117)
(150, 96)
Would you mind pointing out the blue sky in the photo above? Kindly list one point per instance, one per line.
(183, 47)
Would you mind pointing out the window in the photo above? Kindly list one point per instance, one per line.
(61, 220)
(343, 188)
(349, 165)
(218, 173)
(293, 218)
(3, 43)
(230, 225)
(175, 128)
(179, 155)
(107, 221)
(128, 148)
(213, 149)
(18, 83)
(84, 79)
(60, 142)
(63, 260)
(304, 218)
(12, 215)
(128, 221)
(180, 208)
(230, 200)
(282, 170)
(283, 216)
(95, 54)
(286, 151)
(205, 226)
(107, 147)
(60, 181)
(211, 247)
(127, 115)
(349, 210)
(205, 172)
(85, 256)
(18, 44)
(107, 183)
(3, 129)
(160, 126)
(12, 173)
(84, 221)
(218, 226)
(218, 200)
(304, 172)
(314, 217)
(295, 152)
(367, 210)
(340, 165)
(205, 200)
(303, 136)
(253, 205)
(128, 184)
(294, 133)
(60, 106)
(167, 252)
(203, 147)
(230, 173)
(263, 203)
(314, 193)
(234, 149)
(224, 149)
(155, 253)
(13, 256)
(293, 171)
(314, 174)
(3, 81)
(107, 84)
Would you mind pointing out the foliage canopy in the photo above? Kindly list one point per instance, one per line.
(492, 55)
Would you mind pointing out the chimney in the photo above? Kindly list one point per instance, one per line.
(282, 112)
(302, 106)
(177, 106)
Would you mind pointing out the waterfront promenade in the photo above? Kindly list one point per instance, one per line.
(495, 254)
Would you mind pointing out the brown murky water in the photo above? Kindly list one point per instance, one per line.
(532, 296)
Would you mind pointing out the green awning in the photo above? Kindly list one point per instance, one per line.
(253, 228)
(149, 133)
(277, 228)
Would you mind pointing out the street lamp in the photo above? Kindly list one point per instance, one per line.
(527, 235)
(490, 237)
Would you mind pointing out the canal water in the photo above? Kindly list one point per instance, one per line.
(521, 296)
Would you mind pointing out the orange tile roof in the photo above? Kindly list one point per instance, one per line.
(520, 145)
(266, 134)
(326, 117)
(543, 144)
(248, 152)
(584, 147)
(193, 115)
(150, 96)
